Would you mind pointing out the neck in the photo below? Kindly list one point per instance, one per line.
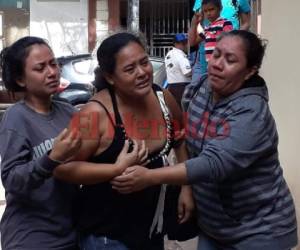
(39, 105)
(215, 97)
(137, 102)
(179, 47)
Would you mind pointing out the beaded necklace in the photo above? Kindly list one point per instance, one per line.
(166, 114)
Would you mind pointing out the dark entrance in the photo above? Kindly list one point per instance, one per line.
(160, 20)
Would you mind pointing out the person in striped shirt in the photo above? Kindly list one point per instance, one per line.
(211, 10)
(243, 201)
(236, 11)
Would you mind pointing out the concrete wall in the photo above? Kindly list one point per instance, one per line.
(62, 23)
(102, 18)
(281, 70)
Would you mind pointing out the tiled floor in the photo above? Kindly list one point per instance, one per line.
(186, 245)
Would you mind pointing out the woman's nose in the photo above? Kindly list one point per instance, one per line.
(216, 63)
(140, 70)
(52, 70)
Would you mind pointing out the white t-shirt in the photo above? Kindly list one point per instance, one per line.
(177, 66)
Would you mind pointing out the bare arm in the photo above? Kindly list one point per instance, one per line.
(177, 116)
(137, 177)
(92, 122)
(194, 38)
(245, 21)
(82, 172)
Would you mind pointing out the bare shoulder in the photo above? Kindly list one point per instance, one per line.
(98, 104)
(96, 112)
(173, 106)
(91, 121)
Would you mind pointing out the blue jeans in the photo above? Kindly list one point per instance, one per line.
(92, 242)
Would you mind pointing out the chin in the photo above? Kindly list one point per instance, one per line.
(144, 91)
(217, 88)
(144, 88)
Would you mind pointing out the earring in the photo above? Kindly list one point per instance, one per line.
(21, 84)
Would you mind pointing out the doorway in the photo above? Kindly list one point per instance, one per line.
(160, 20)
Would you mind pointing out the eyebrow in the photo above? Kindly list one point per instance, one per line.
(142, 59)
(45, 62)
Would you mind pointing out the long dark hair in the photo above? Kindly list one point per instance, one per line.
(254, 46)
(106, 55)
(12, 61)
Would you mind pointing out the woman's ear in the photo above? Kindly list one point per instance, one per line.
(21, 83)
(251, 72)
(109, 79)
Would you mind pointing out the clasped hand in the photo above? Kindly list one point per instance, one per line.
(66, 145)
(133, 172)
(132, 179)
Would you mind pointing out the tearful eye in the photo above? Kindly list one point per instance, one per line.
(215, 54)
(39, 69)
(145, 62)
(129, 70)
(230, 60)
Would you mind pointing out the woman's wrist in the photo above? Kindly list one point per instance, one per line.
(55, 158)
(120, 167)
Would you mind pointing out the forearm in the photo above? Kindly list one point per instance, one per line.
(176, 174)
(245, 21)
(181, 152)
(87, 173)
(23, 177)
(182, 155)
(194, 38)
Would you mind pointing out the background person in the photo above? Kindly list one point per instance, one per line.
(128, 106)
(236, 11)
(38, 212)
(242, 199)
(217, 25)
(178, 67)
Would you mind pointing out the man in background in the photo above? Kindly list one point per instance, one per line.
(178, 67)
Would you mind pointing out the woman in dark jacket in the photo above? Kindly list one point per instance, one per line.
(242, 199)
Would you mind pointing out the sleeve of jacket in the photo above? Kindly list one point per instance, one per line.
(19, 172)
(190, 91)
(245, 136)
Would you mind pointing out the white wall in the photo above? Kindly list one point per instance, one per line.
(280, 25)
(62, 23)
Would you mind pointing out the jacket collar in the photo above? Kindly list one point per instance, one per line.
(256, 85)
